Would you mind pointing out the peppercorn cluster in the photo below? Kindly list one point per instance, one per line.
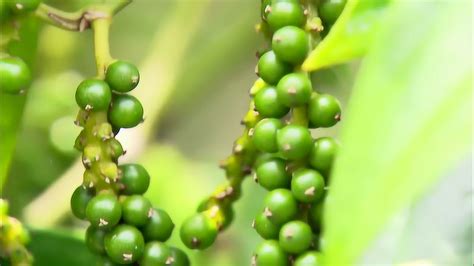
(292, 166)
(124, 226)
(15, 75)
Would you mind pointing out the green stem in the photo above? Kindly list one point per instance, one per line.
(101, 45)
(65, 20)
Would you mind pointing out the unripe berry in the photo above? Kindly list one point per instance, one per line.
(265, 228)
(268, 105)
(122, 76)
(323, 110)
(307, 185)
(114, 148)
(294, 142)
(79, 200)
(159, 227)
(126, 111)
(322, 154)
(265, 134)
(271, 69)
(95, 239)
(93, 94)
(179, 257)
(15, 75)
(155, 254)
(199, 231)
(272, 174)
(23, 6)
(124, 244)
(295, 237)
(136, 210)
(294, 89)
(291, 44)
(309, 258)
(135, 179)
(280, 206)
(104, 211)
(329, 10)
(269, 253)
(285, 13)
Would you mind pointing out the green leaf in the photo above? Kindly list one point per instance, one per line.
(350, 36)
(50, 248)
(408, 123)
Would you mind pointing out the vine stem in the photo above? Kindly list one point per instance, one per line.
(103, 58)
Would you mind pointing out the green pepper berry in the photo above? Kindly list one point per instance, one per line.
(315, 214)
(329, 10)
(79, 200)
(23, 6)
(15, 75)
(226, 211)
(179, 257)
(280, 206)
(104, 211)
(126, 111)
(135, 179)
(136, 210)
(93, 94)
(323, 110)
(271, 69)
(198, 231)
(269, 253)
(265, 228)
(309, 258)
(105, 261)
(122, 76)
(294, 89)
(114, 148)
(124, 244)
(294, 142)
(264, 134)
(267, 104)
(285, 13)
(95, 239)
(159, 227)
(291, 44)
(295, 237)
(156, 254)
(307, 185)
(322, 154)
(272, 174)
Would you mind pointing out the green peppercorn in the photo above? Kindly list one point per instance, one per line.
(285, 13)
(271, 69)
(295, 237)
(159, 227)
(307, 185)
(291, 44)
(135, 179)
(126, 111)
(322, 154)
(15, 75)
(199, 231)
(105, 261)
(114, 148)
(309, 258)
(95, 239)
(315, 214)
(272, 174)
(269, 253)
(124, 244)
(265, 228)
(156, 254)
(280, 206)
(265, 133)
(226, 211)
(79, 200)
(122, 76)
(93, 94)
(136, 210)
(104, 211)
(179, 257)
(329, 10)
(294, 142)
(294, 89)
(267, 104)
(323, 110)
(23, 6)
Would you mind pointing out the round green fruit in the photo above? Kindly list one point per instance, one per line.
(265, 134)
(265, 228)
(271, 69)
(322, 154)
(307, 185)
(122, 76)
(124, 244)
(291, 44)
(104, 211)
(126, 111)
(295, 237)
(179, 257)
(294, 142)
(79, 200)
(272, 174)
(269, 253)
(159, 227)
(268, 105)
(135, 179)
(93, 94)
(136, 210)
(199, 231)
(285, 13)
(329, 10)
(294, 89)
(309, 258)
(156, 254)
(15, 76)
(95, 239)
(280, 206)
(323, 110)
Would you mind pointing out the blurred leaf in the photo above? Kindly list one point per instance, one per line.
(407, 124)
(53, 248)
(350, 36)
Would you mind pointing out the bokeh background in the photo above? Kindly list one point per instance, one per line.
(197, 61)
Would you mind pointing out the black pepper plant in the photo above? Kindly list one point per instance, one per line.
(277, 144)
